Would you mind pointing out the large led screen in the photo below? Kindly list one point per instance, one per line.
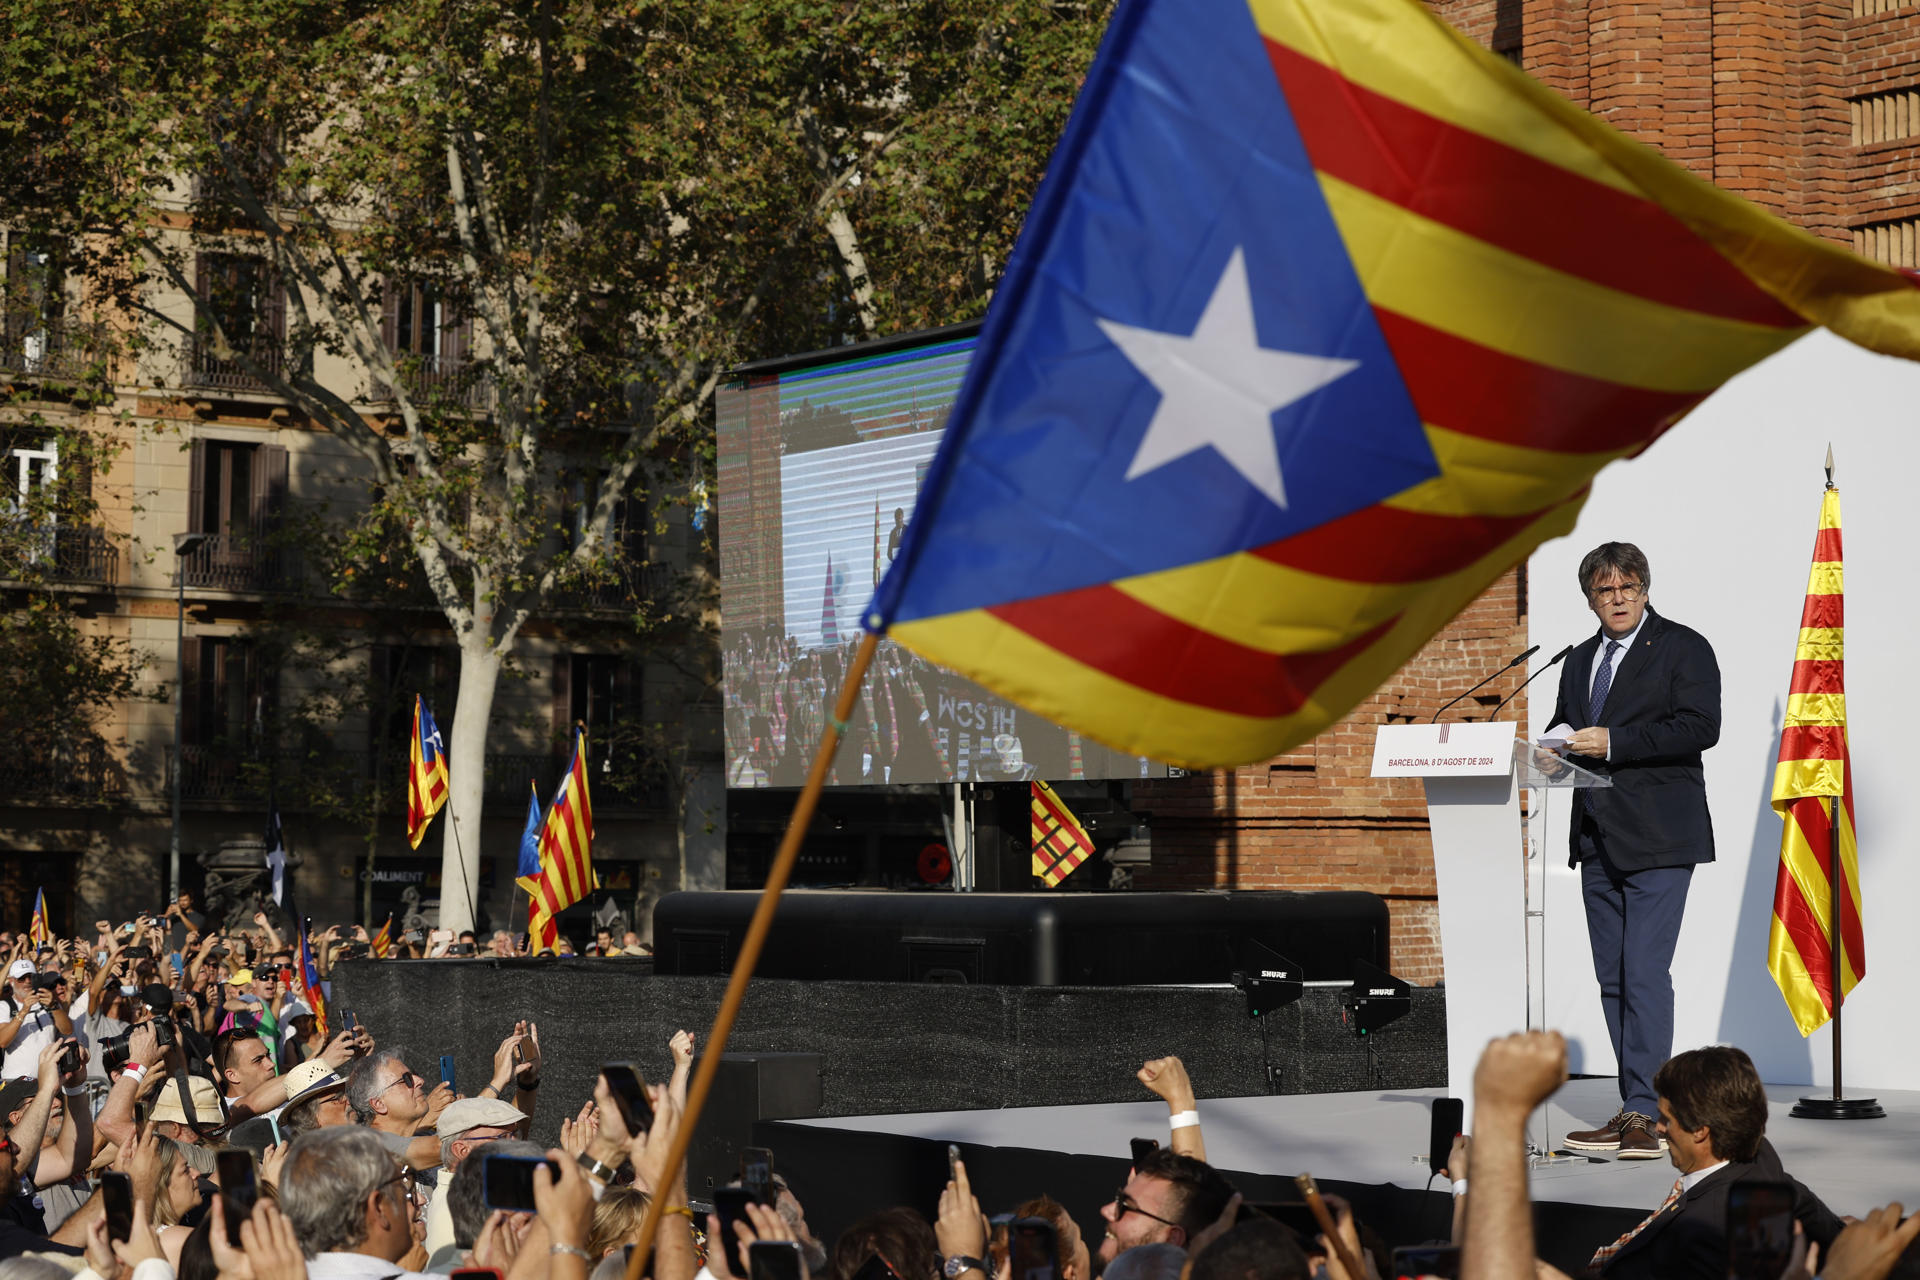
(819, 461)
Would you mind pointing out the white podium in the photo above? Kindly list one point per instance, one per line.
(1473, 775)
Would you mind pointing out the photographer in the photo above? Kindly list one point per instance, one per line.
(33, 1019)
(25, 1163)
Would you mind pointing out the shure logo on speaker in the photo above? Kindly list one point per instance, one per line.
(1382, 991)
(1273, 973)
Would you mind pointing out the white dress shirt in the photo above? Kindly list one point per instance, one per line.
(1600, 655)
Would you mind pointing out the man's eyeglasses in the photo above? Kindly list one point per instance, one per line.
(1627, 591)
(1126, 1205)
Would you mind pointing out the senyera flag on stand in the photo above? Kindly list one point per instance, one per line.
(1322, 319)
(1814, 767)
(1060, 843)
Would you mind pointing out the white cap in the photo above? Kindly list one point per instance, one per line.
(20, 969)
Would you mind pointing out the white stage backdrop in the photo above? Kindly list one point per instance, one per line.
(1725, 508)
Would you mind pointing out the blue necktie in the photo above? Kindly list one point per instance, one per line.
(1602, 684)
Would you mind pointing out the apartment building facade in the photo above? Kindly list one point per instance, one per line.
(272, 678)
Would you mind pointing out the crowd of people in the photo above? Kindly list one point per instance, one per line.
(251, 1149)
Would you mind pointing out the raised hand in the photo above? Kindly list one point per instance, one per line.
(1519, 1072)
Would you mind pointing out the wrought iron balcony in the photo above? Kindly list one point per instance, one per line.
(206, 368)
(431, 376)
(626, 787)
(230, 774)
(49, 348)
(63, 773)
(62, 553)
(630, 587)
(250, 561)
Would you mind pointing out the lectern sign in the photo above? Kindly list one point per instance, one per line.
(1443, 750)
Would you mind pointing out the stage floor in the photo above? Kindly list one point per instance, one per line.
(1373, 1138)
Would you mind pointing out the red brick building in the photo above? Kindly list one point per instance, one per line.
(1811, 110)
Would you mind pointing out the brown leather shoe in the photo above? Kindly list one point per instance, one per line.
(1638, 1141)
(1605, 1138)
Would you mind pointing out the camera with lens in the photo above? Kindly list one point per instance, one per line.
(114, 1050)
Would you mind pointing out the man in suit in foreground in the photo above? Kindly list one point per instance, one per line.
(1713, 1114)
(1642, 698)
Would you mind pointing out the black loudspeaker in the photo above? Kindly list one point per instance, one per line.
(746, 1088)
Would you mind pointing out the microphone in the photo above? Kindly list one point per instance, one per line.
(1490, 679)
(1552, 662)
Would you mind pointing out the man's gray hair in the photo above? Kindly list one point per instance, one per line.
(325, 1182)
(1614, 557)
(363, 1082)
(465, 1203)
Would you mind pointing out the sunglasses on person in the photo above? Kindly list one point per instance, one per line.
(1126, 1205)
(406, 1078)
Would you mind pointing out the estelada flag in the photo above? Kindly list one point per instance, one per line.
(426, 772)
(566, 851)
(306, 977)
(39, 930)
(1814, 766)
(1323, 317)
(382, 941)
(1060, 843)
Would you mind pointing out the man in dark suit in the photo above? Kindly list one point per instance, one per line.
(1713, 1113)
(1643, 700)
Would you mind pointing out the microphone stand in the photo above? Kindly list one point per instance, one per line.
(1489, 680)
(1552, 662)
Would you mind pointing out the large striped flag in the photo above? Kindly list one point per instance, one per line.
(566, 851)
(426, 772)
(1323, 317)
(1060, 843)
(39, 930)
(1814, 765)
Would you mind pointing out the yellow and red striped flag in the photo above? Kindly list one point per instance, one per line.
(566, 852)
(1814, 765)
(39, 929)
(1324, 317)
(382, 942)
(1060, 843)
(426, 772)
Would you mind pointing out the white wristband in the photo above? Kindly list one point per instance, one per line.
(1460, 1186)
(134, 1071)
(73, 1090)
(1184, 1120)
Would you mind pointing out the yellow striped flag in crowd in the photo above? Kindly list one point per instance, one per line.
(382, 941)
(426, 772)
(1814, 766)
(1060, 843)
(39, 930)
(1323, 318)
(566, 852)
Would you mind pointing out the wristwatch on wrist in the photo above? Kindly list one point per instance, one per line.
(959, 1263)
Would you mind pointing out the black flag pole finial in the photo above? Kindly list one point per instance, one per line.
(1829, 466)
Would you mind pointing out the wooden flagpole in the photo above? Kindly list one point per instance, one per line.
(744, 963)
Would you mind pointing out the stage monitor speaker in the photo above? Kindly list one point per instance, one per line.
(748, 1087)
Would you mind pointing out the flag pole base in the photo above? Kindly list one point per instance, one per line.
(1838, 1109)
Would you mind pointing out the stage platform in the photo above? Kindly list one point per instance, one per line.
(1360, 1144)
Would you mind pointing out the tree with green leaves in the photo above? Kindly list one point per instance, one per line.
(593, 207)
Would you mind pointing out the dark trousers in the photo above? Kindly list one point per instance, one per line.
(1633, 923)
